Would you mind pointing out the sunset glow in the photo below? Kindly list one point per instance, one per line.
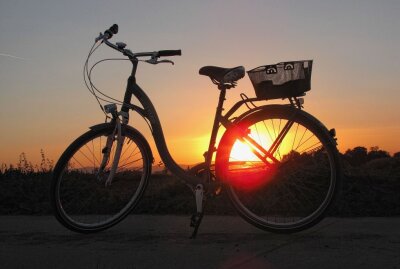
(243, 152)
(44, 104)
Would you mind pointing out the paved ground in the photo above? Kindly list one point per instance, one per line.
(223, 242)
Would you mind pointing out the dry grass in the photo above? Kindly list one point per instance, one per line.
(370, 189)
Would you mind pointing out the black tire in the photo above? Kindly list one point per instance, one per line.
(290, 195)
(80, 198)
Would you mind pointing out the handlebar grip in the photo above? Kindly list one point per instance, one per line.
(113, 30)
(165, 53)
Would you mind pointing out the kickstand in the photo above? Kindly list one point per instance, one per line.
(195, 221)
(197, 217)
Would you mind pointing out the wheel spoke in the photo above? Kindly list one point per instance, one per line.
(129, 157)
(295, 135)
(292, 194)
(84, 201)
(126, 149)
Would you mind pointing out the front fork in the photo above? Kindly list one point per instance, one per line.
(115, 135)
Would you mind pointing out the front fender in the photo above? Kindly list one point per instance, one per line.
(101, 126)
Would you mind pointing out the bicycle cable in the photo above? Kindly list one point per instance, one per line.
(90, 85)
(93, 86)
(85, 67)
(87, 77)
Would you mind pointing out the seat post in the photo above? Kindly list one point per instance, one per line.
(199, 191)
(218, 113)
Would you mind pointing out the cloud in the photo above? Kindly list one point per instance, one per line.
(12, 56)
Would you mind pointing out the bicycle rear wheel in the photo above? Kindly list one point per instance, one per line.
(293, 187)
(81, 200)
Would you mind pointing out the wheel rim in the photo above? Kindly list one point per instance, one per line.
(84, 200)
(286, 195)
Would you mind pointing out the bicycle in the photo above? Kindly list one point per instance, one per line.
(278, 164)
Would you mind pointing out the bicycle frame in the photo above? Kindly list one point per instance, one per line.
(149, 112)
(285, 194)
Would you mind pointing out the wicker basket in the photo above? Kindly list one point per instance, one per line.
(282, 80)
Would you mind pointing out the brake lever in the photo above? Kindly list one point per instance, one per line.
(166, 61)
(155, 61)
(100, 37)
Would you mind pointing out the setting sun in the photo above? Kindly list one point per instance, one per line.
(241, 151)
(163, 115)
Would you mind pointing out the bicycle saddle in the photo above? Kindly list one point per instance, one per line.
(223, 75)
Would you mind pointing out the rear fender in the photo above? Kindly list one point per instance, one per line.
(267, 109)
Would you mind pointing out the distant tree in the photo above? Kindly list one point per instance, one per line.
(396, 155)
(356, 156)
(376, 153)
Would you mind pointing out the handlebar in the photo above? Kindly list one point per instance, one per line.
(166, 53)
(154, 55)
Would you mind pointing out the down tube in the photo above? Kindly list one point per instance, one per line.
(159, 138)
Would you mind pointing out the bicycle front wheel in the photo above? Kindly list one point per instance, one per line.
(290, 189)
(81, 199)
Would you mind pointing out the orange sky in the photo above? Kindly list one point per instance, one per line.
(44, 104)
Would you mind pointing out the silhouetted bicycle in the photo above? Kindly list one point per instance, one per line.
(278, 164)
